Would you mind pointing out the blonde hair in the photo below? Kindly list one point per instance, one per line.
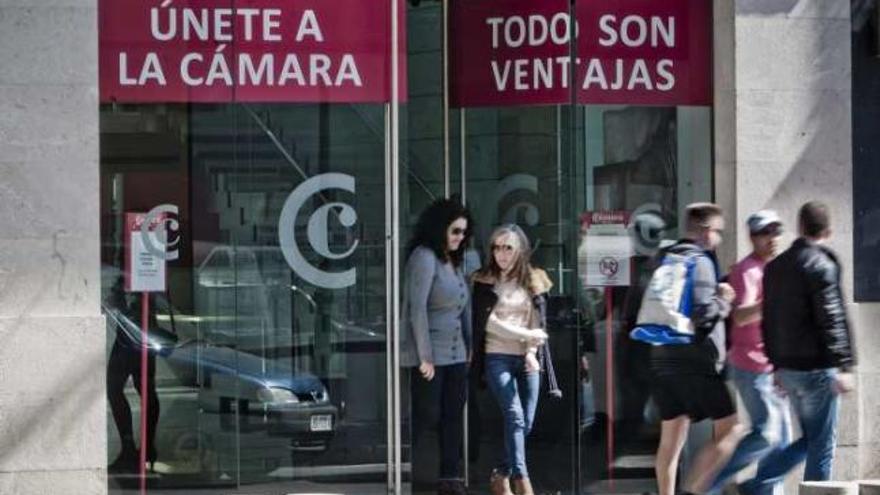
(521, 268)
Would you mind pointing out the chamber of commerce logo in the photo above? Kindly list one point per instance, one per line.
(317, 230)
(510, 184)
(161, 232)
(647, 228)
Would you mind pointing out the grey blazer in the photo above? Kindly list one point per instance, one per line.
(436, 322)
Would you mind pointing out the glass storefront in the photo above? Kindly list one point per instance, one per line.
(271, 350)
(273, 376)
(549, 177)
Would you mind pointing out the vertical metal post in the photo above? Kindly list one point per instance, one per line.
(447, 186)
(462, 148)
(462, 176)
(560, 263)
(389, 308)
(575, 379)
(392, 258)
(609, 382)
(145, 437)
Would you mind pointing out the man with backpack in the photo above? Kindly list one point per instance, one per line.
(682, 315)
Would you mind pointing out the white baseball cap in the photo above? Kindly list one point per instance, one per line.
(760, 220)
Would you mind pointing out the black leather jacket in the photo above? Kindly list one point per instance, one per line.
(484, 299)
(803, 316)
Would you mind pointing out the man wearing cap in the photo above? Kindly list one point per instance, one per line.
(749, 368)
(807, 339)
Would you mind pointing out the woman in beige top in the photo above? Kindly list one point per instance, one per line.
(509, 335)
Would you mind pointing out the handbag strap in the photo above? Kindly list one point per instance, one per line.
(170, 310)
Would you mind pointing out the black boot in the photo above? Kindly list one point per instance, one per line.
(126, 461)
(152, 455)
(451, 487)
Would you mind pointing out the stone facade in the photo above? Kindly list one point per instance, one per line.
(52, 405)
(783, 136)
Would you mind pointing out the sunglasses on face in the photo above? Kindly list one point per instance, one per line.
(458, 231)
(772, 230)
(507, 248)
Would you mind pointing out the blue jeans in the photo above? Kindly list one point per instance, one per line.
(816, 405)
(771, 424)
(517, 394)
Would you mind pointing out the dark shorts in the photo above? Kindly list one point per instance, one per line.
(697, 396)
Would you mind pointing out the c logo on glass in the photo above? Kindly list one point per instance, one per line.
(317, 230)
(510, 184)
(647, 228)
(162, 242)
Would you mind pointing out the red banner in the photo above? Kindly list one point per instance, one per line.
(248, 50)
(645, 52)
(517, 52)
(509, 52)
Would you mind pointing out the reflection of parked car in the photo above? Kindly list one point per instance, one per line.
(264, 393)
(232, 289)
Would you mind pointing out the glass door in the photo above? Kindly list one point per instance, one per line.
(273, 376)
(636, 169)
(255, 147)
(630, 174)
(519, 171)
(598, 188)
(302, 207)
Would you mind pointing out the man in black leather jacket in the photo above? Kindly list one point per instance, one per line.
(809, 343)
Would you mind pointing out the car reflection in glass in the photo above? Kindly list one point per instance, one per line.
(263, 394)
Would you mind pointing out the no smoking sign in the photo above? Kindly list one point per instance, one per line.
(606, 248)
(608, 266)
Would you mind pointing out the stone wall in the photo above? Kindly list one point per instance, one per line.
(783, 137)
(52, 405)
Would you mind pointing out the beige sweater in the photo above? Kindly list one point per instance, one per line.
(510, 320)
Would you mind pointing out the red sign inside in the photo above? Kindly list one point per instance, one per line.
(248, 50)
(517, 52)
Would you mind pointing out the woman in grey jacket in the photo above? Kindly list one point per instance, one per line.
(436, 336)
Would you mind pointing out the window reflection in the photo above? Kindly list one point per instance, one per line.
(264, 379)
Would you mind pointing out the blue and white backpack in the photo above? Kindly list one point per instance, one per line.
(665, 314)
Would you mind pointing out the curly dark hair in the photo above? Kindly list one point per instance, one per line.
(430, 231)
